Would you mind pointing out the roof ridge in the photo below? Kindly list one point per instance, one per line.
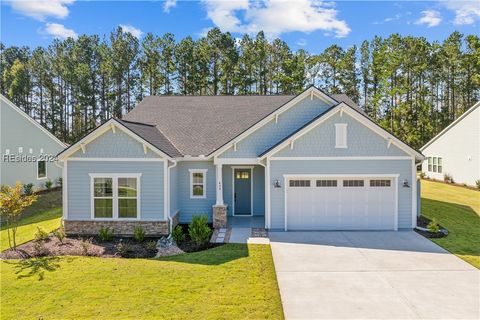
(136, 122)
(169, 140)
(221, 95)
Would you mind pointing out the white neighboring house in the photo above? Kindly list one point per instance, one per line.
(456, 150)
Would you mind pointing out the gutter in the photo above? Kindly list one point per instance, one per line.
(170, 227)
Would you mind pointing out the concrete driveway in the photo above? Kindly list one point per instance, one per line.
(372, 275)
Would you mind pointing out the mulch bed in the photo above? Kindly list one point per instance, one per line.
(423, 223)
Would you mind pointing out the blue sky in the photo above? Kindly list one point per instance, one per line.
(309, 24)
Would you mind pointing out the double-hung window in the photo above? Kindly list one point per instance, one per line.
(435, 164)
(41, 169)
(115, 196)
(198, 183)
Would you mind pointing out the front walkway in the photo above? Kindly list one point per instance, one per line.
(372, 275)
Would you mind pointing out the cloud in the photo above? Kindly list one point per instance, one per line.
(302, 42)
(169, 4)
(137, 33)
(466, 12)
(275, 17)
(59, 31)
(389, 19)
(431, 18)
(41, 9)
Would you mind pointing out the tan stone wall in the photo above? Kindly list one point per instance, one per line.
(219, 216)
(124, 228)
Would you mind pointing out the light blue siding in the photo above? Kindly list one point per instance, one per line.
(258, 189)
(187, 206)
(320, 141)
(402, 167)
(151, 186)
(173, 190)
(114, 145)
(271, 133)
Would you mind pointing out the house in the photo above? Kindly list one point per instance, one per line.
(28, 150)
(455, 151)
(305, 162)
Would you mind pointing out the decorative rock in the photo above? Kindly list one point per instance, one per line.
(165, 242)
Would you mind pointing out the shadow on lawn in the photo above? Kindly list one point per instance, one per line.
(27, 268)
(216, 256)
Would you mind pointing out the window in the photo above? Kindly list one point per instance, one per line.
(353, 183)
(299, 183)
(439, 168)
(430, 162)
(435, 164)
(435, 159)
(340, 135)
(326, 183)
(41, 169)
(242, 175)
(198, 184)
(115, 196)
(380, 183)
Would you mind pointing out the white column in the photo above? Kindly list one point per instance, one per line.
(219, 184)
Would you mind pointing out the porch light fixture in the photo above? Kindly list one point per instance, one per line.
(405, 184)
(276, 184)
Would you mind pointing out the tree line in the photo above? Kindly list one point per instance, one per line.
(411, 86)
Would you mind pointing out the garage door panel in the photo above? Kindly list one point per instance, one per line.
(355, 206)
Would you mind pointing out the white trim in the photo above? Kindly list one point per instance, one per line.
(29, 118)
(441, 133)
(204, 172)
(114, 177)
(340, 132)
(65, 190)
(117, 159)
(271, 117)
(165, 191)
(287, 177)
(340, 158)
(107, 126)
(354, 114)
(219, 184)
(46, 170)
(251, 190)
(414, 194)
(268, 184)
(236, 161)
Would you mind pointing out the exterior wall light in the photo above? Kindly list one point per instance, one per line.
(276, 184)
(405, 184)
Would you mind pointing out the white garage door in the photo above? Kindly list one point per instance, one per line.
(329, 203)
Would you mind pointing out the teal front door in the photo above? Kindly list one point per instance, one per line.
(242, 192)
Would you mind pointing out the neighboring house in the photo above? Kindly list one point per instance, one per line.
(28, 150)
(305, 162)
(456, 150)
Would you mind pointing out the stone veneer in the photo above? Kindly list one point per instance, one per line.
(219, 216)
(124, 228)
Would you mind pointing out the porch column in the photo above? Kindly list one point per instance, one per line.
(219, 186)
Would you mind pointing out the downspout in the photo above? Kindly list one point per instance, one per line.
(267, 185)
(419, 202)
(170, 220)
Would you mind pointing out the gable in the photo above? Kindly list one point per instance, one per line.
(272, 132)
(116, 144)
(361, 141)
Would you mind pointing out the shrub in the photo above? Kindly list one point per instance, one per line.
(105, 234)
(433, 226)
(86, 244)
(60, 234)
(151, 245)
(422, 175)
(123, 249)
(139, 234)
(448, 178)
(477, 182)
(199, 230)
(48, 184)
(59, 182)
(39, 249)
(28, 189)
(178, 235)
(41, 234)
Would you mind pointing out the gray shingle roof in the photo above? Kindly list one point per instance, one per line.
(199, 125)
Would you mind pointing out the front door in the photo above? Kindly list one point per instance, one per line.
(242, 192)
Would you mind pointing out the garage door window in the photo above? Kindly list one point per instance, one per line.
(353, 183)
(380, 183)
(326, 183)
(299, 183)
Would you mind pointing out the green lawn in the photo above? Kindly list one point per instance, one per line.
(458, 210)
(45, 212)
(233, 281)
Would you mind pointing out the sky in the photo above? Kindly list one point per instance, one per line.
(312, 25)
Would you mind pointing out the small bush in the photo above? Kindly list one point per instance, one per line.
(477, 182)
(60, 234)
(48, 184)
(105, 234)
(199, 230)
(123, 249)
(448, 178)
(39, 249)
(178, 235)
(139, 234)
(86, 245)
(59, 182)
(41, 234)
(151, 245)
(28, 189)
(433, 226)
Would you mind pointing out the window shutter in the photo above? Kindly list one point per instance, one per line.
(340, 135)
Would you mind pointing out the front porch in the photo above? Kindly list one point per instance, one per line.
(246, 222)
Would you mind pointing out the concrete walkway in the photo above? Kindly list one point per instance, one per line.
(372, 275)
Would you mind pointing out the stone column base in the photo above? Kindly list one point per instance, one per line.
(220, 216)
(120, 228)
